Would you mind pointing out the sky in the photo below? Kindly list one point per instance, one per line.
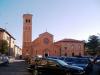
(75, 19)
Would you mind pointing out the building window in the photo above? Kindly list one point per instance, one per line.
(8, 38)
(73, 54)
(80, 54)
(65, 48)
(28, 20)
(55, 51)
(72, 46)
(65, 54)
(46, 40)
(36, 52)
(79, 47)
(13, 41)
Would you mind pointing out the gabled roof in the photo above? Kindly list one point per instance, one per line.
(45, 33)
(35, 40)
(3, 30)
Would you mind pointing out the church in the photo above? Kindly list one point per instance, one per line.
(44, 44)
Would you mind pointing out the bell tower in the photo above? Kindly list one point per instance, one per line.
(27, 34)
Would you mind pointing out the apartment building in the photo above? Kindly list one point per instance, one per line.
(5, 35)
(17, 51)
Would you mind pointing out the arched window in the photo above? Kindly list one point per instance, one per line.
(46, 40)
(26, 20)
(79, 53)
(72, 46)
(65, 48)
(79, 47)
(29, 21)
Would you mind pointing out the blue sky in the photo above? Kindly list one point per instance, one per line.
(76, 19)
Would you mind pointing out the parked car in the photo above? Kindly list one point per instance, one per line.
(70, 60)
(85, 63)
(34, 58)
(97, 60)
(4, 60)
(49, 66)
(91, 58)
(62, 57)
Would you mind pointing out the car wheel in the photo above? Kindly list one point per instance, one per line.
(35, 72)
(68, 73)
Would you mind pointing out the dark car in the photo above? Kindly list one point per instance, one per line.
(97, 60)
(91, 58)
(85, 63)
(62, 58)
(70, 60)
(49, 66)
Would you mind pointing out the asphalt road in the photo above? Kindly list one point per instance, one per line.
(18, 67)
(96, 70)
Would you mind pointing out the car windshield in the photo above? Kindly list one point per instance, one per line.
(81, 61)
(61, 58)
(62, 62)
(69, 59)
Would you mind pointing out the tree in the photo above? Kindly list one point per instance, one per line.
(93, 43)
(3, 46)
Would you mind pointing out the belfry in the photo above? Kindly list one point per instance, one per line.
(27, 33)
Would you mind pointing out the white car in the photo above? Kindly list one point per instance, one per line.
(4, 60)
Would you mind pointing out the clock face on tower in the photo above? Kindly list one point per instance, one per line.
(46, 40)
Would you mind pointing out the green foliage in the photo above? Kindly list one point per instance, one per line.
(3, 46)
(93, 43)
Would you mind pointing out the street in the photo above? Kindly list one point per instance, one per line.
(96, 70)
(18, 67)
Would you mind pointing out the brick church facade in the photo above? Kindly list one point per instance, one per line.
(44, 43)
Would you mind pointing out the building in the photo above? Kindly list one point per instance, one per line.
(5, 35)
(27, 33)
(44, 44)
(17, 51)
(71, 47)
